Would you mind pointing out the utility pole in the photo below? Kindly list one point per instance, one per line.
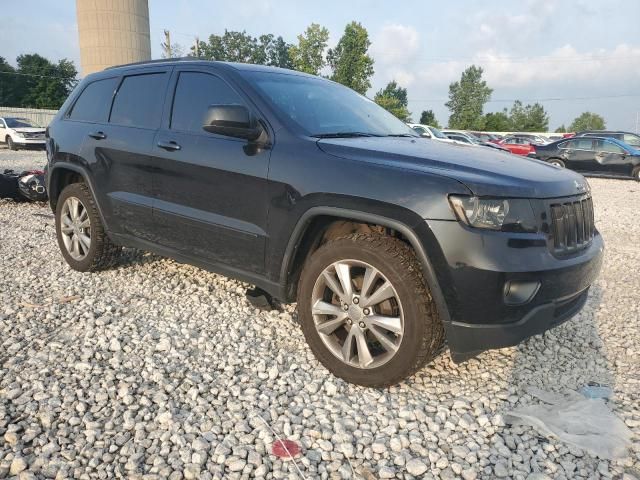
(197, 47)
(166, 46)
(637, 122)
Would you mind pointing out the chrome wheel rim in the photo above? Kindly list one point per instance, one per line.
(357, 314)
(75, 226)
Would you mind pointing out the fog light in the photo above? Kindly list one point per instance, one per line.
(519, 293)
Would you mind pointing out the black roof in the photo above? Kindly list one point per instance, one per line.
(200, 61)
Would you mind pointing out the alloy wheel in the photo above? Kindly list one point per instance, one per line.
(76, 228)
(357, 314)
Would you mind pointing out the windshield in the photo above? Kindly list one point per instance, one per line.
(437, 133)
(324, 108)
(20, 123)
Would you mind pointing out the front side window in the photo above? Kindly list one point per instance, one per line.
(320, 107)
(94, 102)
(195, 92)
(139, 101)
(631, 139)
(2, 124)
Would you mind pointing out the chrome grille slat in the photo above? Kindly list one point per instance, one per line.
(572, 226)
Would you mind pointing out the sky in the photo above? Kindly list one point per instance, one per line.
(570, 55)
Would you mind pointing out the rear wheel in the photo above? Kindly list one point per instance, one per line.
(11, 144)
(556, 162)
(636, 173)
(365, 310)
(81, 237)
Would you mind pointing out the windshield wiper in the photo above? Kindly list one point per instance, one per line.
(344, 135)
(408, 135)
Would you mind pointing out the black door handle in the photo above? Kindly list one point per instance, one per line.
(169, 145)
(98, 135)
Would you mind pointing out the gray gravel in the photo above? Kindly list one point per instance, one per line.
(156, 369)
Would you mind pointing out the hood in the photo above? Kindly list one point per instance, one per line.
(29, 129)
(485, 171)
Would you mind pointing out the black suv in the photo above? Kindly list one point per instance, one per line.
(309, 191)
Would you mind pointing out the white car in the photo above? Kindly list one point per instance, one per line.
(431, 132)
(21, 132)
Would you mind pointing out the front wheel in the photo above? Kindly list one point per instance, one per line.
(11, 144)
(556, 162)
(365, 310)
(81, 237)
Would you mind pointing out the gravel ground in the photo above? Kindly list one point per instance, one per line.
(156, 369)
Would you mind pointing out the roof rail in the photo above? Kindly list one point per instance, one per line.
(160, 60)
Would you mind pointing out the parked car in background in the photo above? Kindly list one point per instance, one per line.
(463, 137)
(518, 145)
(487, 137)
(593, 155)
(428, 131)
(631, 139)
(300, 186)
(533, 139)
(21, 132)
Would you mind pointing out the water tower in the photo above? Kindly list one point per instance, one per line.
(112, 32)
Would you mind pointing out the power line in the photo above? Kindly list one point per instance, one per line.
(549, 99)
(36, 75)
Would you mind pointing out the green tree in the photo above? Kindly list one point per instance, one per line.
(393, 98)
(44, 84)
(497, 121)
(561, 129)
(529, 118)
(279, 54)
(8, 83)
(588, 121)
(308, 55)
(429, 118)
(349, 61)
(467, 98)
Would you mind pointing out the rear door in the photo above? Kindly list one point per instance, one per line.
(611, 158)
(579, 154)
(211, 190)
(119, 151)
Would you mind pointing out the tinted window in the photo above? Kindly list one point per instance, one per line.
(1, 124)
(194, 93)
(139, 101)
(579, 144)
(95, 101)
(602, 146)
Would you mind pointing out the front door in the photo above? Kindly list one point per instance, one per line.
(611, 158)
(211, 190)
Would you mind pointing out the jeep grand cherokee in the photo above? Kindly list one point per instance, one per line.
(389, 243)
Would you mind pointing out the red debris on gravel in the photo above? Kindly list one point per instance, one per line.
(285, 449)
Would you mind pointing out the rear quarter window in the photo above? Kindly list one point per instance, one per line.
(139, 101)
(94, 101)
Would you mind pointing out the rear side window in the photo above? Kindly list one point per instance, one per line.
(95, 101)
(139, 101)
(195, 91)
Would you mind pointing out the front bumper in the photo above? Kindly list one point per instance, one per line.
(478, 271)
(29, 141)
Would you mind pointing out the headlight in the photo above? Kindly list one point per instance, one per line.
(507, 215)
(20, 134)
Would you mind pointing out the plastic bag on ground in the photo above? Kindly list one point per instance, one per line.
(586, 423)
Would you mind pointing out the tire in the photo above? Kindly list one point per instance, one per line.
(11, 144)
(557, 162)
(635, 173)
(422, 333)
(101, 252)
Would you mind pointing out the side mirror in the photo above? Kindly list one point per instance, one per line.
(232, 121)
(425, 135)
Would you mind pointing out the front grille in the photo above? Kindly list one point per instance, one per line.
(34, 135)
(572, 227)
